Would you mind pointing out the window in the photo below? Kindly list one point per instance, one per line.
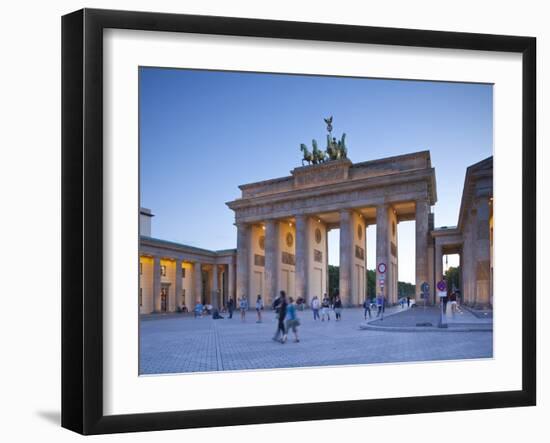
(182, 272)
(163, 270)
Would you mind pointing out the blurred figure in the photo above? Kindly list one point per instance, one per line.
(315, 305)
(452, 299)
(230, 307)
(243, 307)
(325, 308)
(380, 301)
(259, 308)
(366, 307)
(338, 308)
(281, 314)
(198, 309)
(292, 321)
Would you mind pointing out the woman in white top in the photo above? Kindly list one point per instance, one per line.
(259, 308)
(315, 305)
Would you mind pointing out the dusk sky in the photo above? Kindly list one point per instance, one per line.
(203, 133)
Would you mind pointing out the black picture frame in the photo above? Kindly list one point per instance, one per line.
(82, 215)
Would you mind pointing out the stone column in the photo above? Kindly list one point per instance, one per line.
(156, 284)
(271, 260)
(178, 299)
(422, 227)
(382, 247)
(346, 245)
(243, 268)
(215, 286)
(197, 269)
(482, 252)
(231, 280)
(438, 265)
(326, 266)
(302, 257)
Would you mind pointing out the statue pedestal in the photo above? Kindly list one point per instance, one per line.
(325, 173)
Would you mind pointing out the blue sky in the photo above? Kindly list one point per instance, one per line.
(202, 133)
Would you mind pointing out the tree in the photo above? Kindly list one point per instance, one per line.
(371, 283)
(333, 279)
(404, 289)
(452, 275)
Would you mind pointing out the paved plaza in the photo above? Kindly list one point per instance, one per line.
(177, 343)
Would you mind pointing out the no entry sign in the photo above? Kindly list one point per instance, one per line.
(382, 268)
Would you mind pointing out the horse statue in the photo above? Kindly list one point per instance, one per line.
(335, 150)
(318, 155)
(308, 156)
(342, 146)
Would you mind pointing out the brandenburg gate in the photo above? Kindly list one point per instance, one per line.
(282, 235)
(283, 224)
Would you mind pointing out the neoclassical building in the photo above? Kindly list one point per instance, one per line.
(282, 243)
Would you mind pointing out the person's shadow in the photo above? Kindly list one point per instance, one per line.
(54, 417)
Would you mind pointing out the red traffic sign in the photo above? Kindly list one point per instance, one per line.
(381, 282)
(381, 268)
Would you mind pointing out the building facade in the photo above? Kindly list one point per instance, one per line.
(472, 237)
(282, 237)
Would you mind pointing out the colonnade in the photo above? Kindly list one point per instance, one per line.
(353, 257)
(167, 284)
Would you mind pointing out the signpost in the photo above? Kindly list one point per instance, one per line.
(442, 294)
(425, 288)
(382, 281)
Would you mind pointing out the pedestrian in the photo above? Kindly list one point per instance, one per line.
(338, 308)
(366, 306)
(408, 301)
(315, 305)
(231, 307)
(198, 309)
(325, 308)
(292, 321)
(281, 314)
(259, 308)
(275, 306)
(243, 306)
(452, 299)
(380, 305)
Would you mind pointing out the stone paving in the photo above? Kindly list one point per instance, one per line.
(178, 343)
(429, 316)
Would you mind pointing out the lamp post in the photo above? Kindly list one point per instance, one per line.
(442, 293)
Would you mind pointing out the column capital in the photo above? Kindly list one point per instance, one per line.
(345, 214)
(422, 201)
(301, 217)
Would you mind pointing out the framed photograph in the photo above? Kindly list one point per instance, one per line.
(269, 221)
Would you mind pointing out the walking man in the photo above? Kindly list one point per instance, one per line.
(231, 307)
(366, 306)
(281, 314)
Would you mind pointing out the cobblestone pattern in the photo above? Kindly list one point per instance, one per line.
(177, 344)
